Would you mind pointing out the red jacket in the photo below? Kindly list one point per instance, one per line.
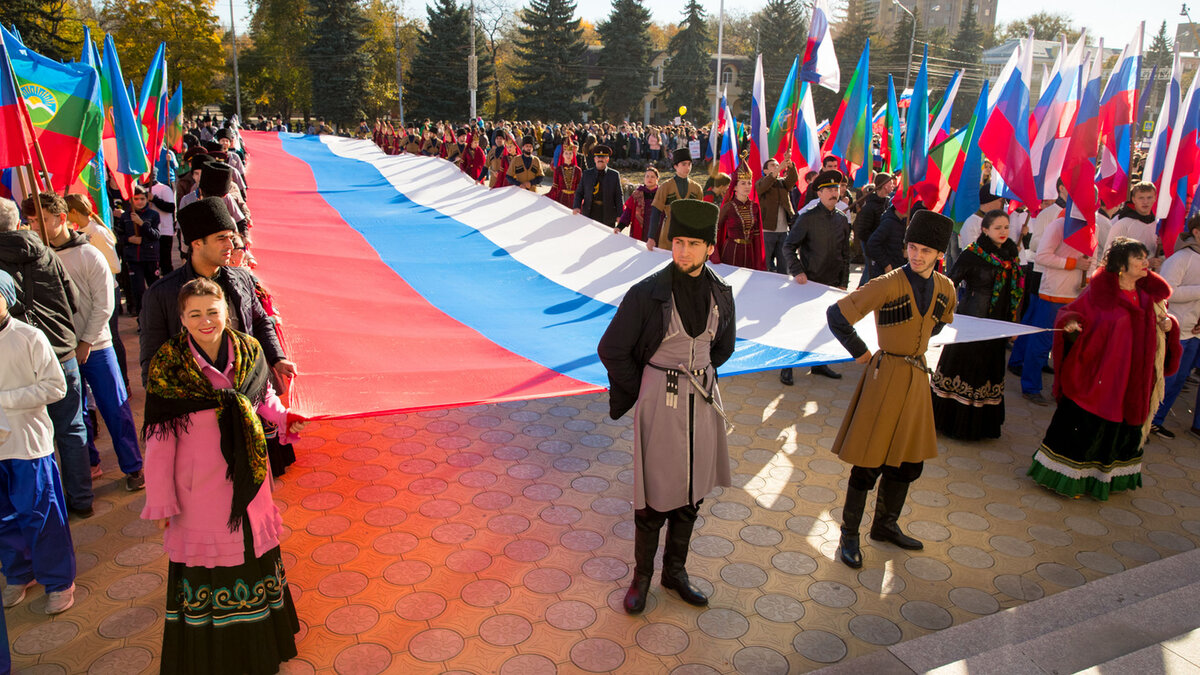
(474, 162)
(1108, 369)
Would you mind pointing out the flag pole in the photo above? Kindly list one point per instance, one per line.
(36, 196)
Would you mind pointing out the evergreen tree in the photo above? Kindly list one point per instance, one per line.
(896, 58)
(436, 84)
(339, 64)
(688, 75)
(966, 53)
(274, 70)
(783, 31)
(48, 27)
(550, 76)
(1161, 54)
(624, 59)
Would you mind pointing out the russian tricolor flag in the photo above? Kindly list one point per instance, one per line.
(1181, 171)
(1118, 113)
(1156, 158)
(1005, 137)
(1054, 118)
(1079, 166)
(728, 158)
(820, 65)
(941, 128)
(759, 148)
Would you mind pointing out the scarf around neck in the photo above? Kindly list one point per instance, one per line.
(177, 387)
(1008, 271)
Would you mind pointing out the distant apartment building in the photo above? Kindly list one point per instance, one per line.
(933, 14)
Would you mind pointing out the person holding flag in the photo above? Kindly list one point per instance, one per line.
(776, 208)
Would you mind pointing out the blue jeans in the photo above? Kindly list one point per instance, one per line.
(1035, 349)
(35, 542)
(1174, 383)
(773, 242)
(112, 400)
(70, 435)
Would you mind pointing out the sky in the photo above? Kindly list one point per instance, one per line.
(1109, 19)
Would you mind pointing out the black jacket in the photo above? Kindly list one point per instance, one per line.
(639, 326)
(868, 217)
(886, 245)
(160, 312)
(147, 251)
(45, 295)
(611, 199)
(819, 245)
(975, 277)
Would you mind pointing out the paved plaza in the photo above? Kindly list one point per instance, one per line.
(498, 539)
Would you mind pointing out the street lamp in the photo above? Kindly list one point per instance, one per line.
(912, 41)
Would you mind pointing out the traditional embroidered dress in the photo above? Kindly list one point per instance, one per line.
(498, 167)
(740, 235)
(566, 181)
(229, 609)
(968, 386)
(1108, 380)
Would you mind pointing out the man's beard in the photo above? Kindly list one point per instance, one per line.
(689, 270)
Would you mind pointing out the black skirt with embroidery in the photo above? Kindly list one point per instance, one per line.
(229, 620)
(968, 390)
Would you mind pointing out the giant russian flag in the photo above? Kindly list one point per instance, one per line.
(404, 286)
(1118, 113)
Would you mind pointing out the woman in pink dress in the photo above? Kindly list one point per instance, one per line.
(208, 479)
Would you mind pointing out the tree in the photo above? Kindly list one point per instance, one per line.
(551, 76)
(896, 58)
(1045, 26)
(687, 76)
(850, 36)
(624, 59)
(966, 53)
(436, 87)
(340, 65)
(495, 22)
(274, 71)
(783, 31)
(195, 57)
(384, 28)
(1161, 54)
(48, 27)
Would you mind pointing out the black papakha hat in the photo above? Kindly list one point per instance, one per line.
(831, 178)
(601, 151)
(204, 217)
(199, 160)
(694, 218)
(528, 140)
(213, 146)
(929, 228)
(986, 195)
(224, 133)
(214, 179)
(681, 155)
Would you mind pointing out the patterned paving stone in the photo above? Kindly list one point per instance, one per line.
(509, 523)
(526, 550)
(1086, 526)
(968, 521)
(970, 556)
(605, 568)
(492, 501)
(468, 561)
(817, 494)
(597, 655)
(819, 646)
(43, 637)
(352, 619)
(926, 615)
(760, 535)
(1059, 574)
(570, 615)
(928, 531)
(1171, 541)
(1100, 562)
(832, 594)
(1018, 588)
(342, 584)
(120, 661)
(760, 661)
(792, 562)
(528, 664)
(882, 581)
(663, 639)
(394, 543)
(611, 506)
(139, 554)
(436, 644)
(875, 629)
(928, 569)
(1005, 511)
(505, 630)
(547, 580)
(127, 622)
(335, 553)
(582, 540)
(385, 516)
(722, 623)
(779, 608)
(974, 600)
(743, 575)
(407, 572)
(420, 606)
(134, 586)
(363, 659)
(731, 511)
(807, 526)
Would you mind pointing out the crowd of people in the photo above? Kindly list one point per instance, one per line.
(215, 429)
(216, 374)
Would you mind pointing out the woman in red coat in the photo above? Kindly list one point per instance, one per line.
(566, 175)
(1116, 344)
(474, 161)
(636, 213)
(739, 226)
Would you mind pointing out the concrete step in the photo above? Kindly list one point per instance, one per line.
(1177, 656)
(1081, 627)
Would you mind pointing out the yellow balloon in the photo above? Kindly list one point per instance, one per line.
(683, 110)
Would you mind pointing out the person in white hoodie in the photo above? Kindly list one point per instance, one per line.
(1182, 271)
(94, 306)
(35, 542)
(1137, 221)
(1062, 279)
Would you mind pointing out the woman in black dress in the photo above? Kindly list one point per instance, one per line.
(968, 386)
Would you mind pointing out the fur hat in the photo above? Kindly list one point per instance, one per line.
(831, 178)
(204, 217)
(214, 179)
(198, 161)
(528, 140)
(929, 228)
(681, 155)
(213, 146)
(224, 133)
(985, 194)
(693, 218)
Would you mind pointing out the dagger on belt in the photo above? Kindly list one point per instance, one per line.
(707, 396)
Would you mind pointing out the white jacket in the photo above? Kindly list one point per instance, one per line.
(1061, 275)
(30, 379)
(94, 299)
(1037, 226)
(1182, 271)
(1147, 233)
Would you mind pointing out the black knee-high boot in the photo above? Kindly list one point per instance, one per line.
(647, 525)
(679, 537)
(887, 510)
(852, 513)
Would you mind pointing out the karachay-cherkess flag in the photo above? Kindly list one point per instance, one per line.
(63, 100)
(152, 105)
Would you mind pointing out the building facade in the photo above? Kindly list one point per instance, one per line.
(933, 14)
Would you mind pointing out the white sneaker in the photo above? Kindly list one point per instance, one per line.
(14, 594)
(60, 601)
